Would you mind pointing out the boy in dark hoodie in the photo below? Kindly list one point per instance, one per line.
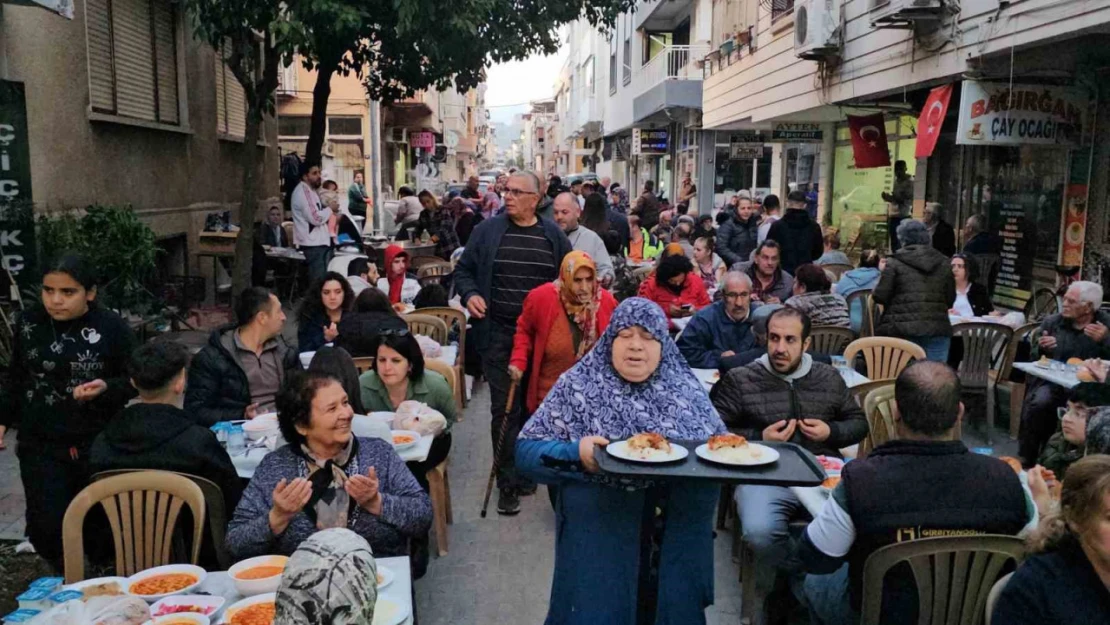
(154, 434)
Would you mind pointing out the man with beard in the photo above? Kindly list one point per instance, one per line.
(784, 396)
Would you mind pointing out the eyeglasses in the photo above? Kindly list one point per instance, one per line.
(1079, 414)
(728, 295)
(518, 192)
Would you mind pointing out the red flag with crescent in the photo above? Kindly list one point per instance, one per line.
(931, 120)
(869, 141)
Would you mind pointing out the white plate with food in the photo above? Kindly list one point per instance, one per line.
(385, 576)
(207, 605)
(256, 609)
(404, 439)
(185, 618)
(389, 612)
(163, 581)
(100, 587)
(647, 447)
(735, 450)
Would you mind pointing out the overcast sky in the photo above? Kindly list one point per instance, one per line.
(520, 82)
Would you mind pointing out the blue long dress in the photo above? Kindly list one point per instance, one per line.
(599, 517)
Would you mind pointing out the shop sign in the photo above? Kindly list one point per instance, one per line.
(1004, 114)
(17, 230)
(425, 140)
(745, 146)
(789, 132)
(1075, 225)
(647, 142)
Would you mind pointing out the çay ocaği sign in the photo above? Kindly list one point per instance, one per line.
(1004, 114)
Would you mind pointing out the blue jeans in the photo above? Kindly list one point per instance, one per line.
(765, 513)
(936, 347)
(826, 596)
(316, 257)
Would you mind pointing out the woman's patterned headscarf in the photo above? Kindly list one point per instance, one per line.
(331, 579)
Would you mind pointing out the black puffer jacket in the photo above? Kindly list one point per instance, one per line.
(218, 389)
(737, 239)
(750, 398)
(799, 238)
(916, 289)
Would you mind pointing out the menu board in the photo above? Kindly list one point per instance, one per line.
(1015, 274)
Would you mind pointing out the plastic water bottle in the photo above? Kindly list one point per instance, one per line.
(236, 439)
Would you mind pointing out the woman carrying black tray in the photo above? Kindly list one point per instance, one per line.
(634, 380)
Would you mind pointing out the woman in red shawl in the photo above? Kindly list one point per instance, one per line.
(560, 322)
(395, 283)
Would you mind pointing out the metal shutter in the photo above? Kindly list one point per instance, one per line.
(165, 49)
(133, 46)
(98, 30)
(231, 101)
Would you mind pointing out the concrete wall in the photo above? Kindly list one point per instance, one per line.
(773, 83)
(171, 178)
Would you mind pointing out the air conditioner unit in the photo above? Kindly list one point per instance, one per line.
(901, 13)
(328, 149)
(398, 135)
(816, 29)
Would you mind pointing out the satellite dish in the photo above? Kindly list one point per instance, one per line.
(451, 139)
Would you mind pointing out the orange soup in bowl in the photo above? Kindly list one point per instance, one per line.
(257, 614)
(402, 439)
(162, 584)
(260, 572)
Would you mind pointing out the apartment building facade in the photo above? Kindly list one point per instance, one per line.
(1036, 171)
(121, 105)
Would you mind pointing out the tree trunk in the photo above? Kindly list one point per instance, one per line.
(320, 94)
(248, 207)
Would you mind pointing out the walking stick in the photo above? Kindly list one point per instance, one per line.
(498, 447)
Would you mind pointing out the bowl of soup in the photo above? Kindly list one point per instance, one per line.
(256, 610)
(184, 618)
(256, 576)
(164, 581)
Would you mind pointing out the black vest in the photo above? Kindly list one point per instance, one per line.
(906, 490)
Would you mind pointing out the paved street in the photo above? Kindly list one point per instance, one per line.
(498, 570)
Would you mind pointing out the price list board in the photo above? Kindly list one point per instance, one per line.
(1015, 273)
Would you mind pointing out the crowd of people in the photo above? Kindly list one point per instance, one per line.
(575, 296)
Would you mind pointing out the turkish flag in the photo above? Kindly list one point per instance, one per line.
(931, 120)
(869, 141)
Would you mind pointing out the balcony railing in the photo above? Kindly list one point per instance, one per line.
(671, 63)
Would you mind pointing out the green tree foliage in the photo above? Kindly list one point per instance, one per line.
(399, 47)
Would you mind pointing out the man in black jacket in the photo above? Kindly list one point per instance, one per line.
(784, 396)
(155, 434)
(924, 483)
(798, 235)
(239, 373)
(942, 234)
(508, 256)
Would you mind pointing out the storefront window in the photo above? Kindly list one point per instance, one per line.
(1020, 190)
(732, 176)
(858, 209)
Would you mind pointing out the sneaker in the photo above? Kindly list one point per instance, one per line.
(527, 490)
(508, 502)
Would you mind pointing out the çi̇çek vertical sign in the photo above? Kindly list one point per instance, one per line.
(17, 229)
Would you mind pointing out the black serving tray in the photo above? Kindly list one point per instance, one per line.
(795, 467)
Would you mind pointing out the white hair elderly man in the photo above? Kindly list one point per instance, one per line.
(720, 336)
(1077, 331)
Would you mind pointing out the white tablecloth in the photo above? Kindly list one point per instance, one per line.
(245, 464)
(399, 591)
(1065, 378)
(852, 378)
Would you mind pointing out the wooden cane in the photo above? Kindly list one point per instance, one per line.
(497, 448)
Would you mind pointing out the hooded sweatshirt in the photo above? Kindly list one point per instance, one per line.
(799, 238)
(164, 438)
(857, 280)
(917, 289)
